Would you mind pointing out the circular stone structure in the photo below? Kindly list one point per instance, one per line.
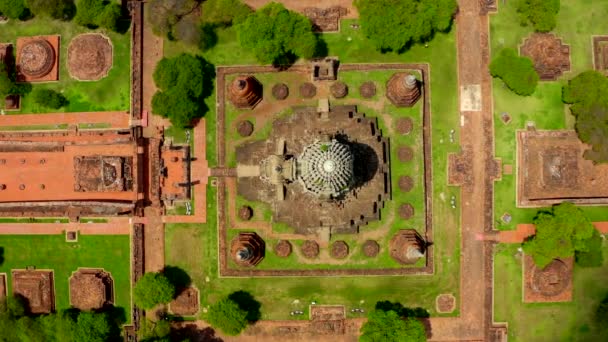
(245, 213)
(247, 249)
(405, 154)
(244, 128)
(310, 249)
(308, 90)
(326, 168)
(406, 183)
(406, 211)
(339, 250)
(551, 280)
(36, 58)
(280, 91)
(367, 89)
(371, 248)
(407, 246)
(404, 126)
(90, 57)
(283, 248)
(339, 90)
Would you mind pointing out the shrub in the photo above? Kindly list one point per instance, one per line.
(153, 289)
(395, 25)
(542, 14)
(518, 73)
(277, 36)
(49, 98)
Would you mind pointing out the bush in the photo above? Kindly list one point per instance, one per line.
(388, 326)
(153, 289)
(542, 14)
(228, 317)
(13, 9)
(518, 73)
(395, 25)
(181, 82)
(49, 98)
(588, 94)
(98, 13)
(559, 233)
(56, 9)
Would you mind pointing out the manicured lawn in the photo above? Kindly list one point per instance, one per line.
(109, 93)
(547, 321)
(53, 252)
(194, 247)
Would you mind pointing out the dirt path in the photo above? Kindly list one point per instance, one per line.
(300, 5)
(116, 119)
(109, 228)
(152, 53)
(476, 197)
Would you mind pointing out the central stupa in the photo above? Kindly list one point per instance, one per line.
(326, 168)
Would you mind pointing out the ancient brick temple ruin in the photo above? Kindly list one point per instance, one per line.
(318, 170)
(88, 173)
(403, 89)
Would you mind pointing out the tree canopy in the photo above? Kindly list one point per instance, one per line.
(388, 326)
(13, 9)
(560, 232)
(165, 14)
(277, 35)
(7, 82)
(588, 94)
(542, 14)
(153, 289)
(225, 12)
(517, 72)
(56, 9)
(183, 82)
(49, 98)
(98, 13)
(227, 316)
(396, 24)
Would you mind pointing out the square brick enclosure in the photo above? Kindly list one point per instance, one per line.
(37, 58)
(551, 169)
(37, 287)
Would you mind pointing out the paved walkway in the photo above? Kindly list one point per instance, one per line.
(60, 228)
(115, 119)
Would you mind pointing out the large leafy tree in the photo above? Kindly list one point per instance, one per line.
(227, 316)
(98, 13)
(588, 94)
(517, 72)
(56, 9)
(560, 232)
(153, 289)
(277, 36)
(542, 14)
(396, 24)
(14, 9)
(181, 82)
(388, 326)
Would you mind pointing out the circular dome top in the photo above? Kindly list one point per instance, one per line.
(36, 58)
(326, 168)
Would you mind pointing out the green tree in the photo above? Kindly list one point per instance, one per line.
(92, 327)
(388, 326)
(98, 13)
(227, 316)
(13, 9)
(56, 9)
(542, 14)
(181, 81)
(110, 17)
(153, 289)
(559, 233)
(224, 12)
(588, 94)
(396, 24)
(518, 73)
(277, 36)
(164, 14)
(49, 98)
(593, 257)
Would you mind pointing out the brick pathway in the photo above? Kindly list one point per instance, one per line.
(60, 228)
(116, 119)
(525, 230)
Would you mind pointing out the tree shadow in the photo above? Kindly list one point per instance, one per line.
(1, 255)
(321, 50)
(209, 37)
(401, 310)
(246, 302)
(178, 277)
(192, 333)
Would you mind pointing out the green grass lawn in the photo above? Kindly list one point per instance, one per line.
(109, 93)
(577, 23)
(194, 247)
(53, 252)
(570, 321)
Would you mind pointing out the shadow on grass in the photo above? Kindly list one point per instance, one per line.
(1, 256)
(191, 332)
(178, 277)
(246, 302)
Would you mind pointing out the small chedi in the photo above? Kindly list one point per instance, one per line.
(247, 249)
(407, 246)
(245, 92)
(318, 170)
(403, 89)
